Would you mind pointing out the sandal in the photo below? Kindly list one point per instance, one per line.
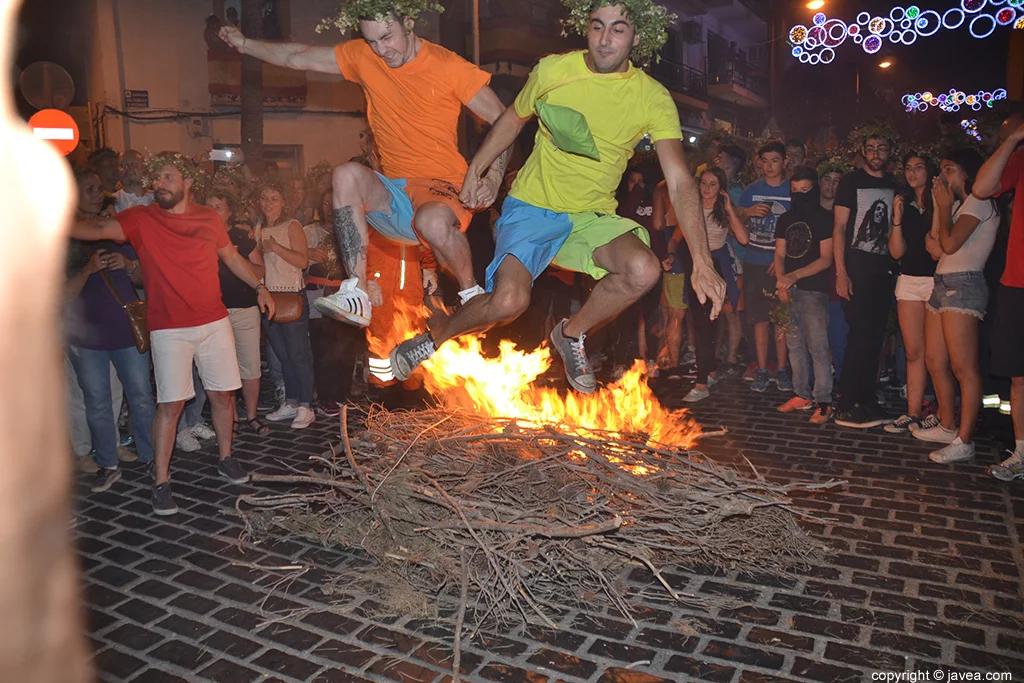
(257, 427)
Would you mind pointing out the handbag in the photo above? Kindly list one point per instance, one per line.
(287, 306)
(136, 312)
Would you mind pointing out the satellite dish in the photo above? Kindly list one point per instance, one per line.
(46, 85)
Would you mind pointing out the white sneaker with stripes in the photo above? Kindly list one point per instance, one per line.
(349, 304)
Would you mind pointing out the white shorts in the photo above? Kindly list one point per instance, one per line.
(245, 322)
(914, 288)
(210, 346)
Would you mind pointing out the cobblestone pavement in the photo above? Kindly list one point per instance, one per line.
(926, 575)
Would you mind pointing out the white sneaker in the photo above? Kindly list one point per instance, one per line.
(696, 395)
(203, 431)
(936, 434)
(926, 423)
(187, 441)
(303, 418)
(1009, 469)
(957, 451)
(285, 412)
(349, 304)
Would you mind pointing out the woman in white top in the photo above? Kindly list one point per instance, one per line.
(966, 227)
(285, 255)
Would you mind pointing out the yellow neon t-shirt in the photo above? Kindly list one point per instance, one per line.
(620, 109)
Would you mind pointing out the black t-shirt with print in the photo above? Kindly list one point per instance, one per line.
(804, 231)
(869, 200)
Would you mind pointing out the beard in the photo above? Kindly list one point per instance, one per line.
(877, 164)
(167, 200)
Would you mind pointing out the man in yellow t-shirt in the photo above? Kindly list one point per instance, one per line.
(561, 208)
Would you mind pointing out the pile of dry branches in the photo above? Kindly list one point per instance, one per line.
(520, 520)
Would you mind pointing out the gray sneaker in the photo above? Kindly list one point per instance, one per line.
(574, 358)
(408, 355)
(232, 471)
(1010, 469)
(105, 479)
(163, 503)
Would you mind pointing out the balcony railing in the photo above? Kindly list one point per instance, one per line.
(744, 75)
(681, 78)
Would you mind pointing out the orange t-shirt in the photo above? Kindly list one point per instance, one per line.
(414, 110)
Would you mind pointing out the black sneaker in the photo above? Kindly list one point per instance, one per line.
(574, 358)
(163, 503)
(860, 417)
(408, 355)
(232, 471)
(105, 479)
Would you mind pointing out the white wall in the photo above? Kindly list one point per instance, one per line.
(165, 53)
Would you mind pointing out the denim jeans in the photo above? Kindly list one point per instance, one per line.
(837, 333)
(78, 424)
(290, 342)
(807, 340)
(93, 371)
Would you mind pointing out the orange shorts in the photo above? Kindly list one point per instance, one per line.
(407, 196)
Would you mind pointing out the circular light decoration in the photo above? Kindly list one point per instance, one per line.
(1005, 16)
(827, 55)
(904, 25)
(983, 25)
(970, 127)
(952, 101)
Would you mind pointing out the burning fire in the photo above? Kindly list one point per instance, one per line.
(460, 375)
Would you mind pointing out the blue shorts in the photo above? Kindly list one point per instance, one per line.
(407, 196)
(531, 234)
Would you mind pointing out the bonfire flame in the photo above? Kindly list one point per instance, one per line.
(461, 376)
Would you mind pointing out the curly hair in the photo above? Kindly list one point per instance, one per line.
(650, 21)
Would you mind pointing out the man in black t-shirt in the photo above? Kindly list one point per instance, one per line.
(803, 256)
(864, 279)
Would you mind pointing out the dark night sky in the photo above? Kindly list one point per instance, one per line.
(945, 60)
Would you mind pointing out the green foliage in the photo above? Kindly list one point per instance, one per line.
(188, 169)
(879, 129)
(836, 162)
(651, 22)
(380, 10)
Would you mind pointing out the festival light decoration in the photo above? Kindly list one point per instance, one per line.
(953, 100)
(970, 127)
(817, 43)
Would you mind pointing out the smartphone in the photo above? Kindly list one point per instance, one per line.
(221, 155)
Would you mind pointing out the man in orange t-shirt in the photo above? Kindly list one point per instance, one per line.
(415, 91)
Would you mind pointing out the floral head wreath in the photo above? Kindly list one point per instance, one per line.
(834, 163)
(884, 130)
(353, 11)
(651, 22)
(188, 169)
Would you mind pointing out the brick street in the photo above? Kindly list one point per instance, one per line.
(926, 575)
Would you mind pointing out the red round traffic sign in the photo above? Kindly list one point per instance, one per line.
(57, 127)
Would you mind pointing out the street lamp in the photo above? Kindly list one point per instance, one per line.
(885, 64)
(815, 4)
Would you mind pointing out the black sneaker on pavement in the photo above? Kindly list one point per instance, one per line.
(408, 355)
(902, 424)
(861, 417)
(163, 503)
(105, 479)
(232, 471)
(574, 358)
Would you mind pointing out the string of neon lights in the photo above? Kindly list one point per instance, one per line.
(953, 100)
(816, 44)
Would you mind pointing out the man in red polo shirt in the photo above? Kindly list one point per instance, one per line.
(178, 244)
(1004, 172)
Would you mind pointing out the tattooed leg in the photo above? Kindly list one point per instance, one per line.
(352, 243)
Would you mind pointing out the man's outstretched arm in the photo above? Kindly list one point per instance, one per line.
(97, 229)
(290, 55)
(682, 192)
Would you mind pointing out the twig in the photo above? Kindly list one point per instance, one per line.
(460, 619)
(406, 452)
(381, 514)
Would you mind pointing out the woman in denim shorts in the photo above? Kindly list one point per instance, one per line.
(967, 228)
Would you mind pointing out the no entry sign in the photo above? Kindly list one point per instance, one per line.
(57, 127)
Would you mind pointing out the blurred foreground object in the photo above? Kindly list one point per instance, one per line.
(41, 628)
